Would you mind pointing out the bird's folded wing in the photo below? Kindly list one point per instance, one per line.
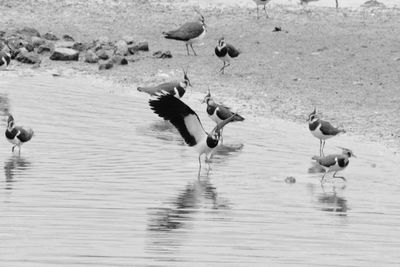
(232, 51)
(328, 129)
(186, 32)
(166, 87)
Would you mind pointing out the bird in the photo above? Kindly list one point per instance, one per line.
(335, 162)
(225, 52)
(261, 3)
(17, 135)
(187, 122)
(5, 59)
(190, 32)
(217, 112)
(174, 88)
(321, 129)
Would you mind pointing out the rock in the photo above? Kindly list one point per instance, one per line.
(29, 31)
(142, 46)
(91, 57)
(37, 41)
(81, 46)
(103, 40)
(45, 48)
(68, 38)
(129, 39)
(121, 48)
(28, 57)
(161, 54)
(103, 54)
(277, 29)
(290, 180)
(62, 53)
(50, 36)
(65, 44)
(106, 65)
(119, 60)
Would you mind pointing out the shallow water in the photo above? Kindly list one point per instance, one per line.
(320, 3)
(105, 182)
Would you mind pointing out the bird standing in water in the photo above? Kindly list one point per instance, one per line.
(17, 135)
(188, 124)
(190, 32)
(335, 162)
(321, 129)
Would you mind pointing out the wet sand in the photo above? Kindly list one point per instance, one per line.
(344, 62)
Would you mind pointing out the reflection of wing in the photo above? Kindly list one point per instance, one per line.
(181, 116)
(153, 90)
(186, 32)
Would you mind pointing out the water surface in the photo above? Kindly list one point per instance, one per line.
(105, 182)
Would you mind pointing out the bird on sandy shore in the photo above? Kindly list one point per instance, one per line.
(17, 135)
(5, 59)
(335, 162)
(188, 124)
(261, 3)
(174, 88)
(219, 113)
(321, 129)
(190, 32)
(225, 52)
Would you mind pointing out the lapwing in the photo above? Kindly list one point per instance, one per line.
(190, 32)
(219, 113)
(321, 129)
(261, 3)
(17, 135)
(225, 52)
(188, 124)
(176, 88)
(335, 162)
(5, 59)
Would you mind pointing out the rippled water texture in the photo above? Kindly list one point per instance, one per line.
(106, 183)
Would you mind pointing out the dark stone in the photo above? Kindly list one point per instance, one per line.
(81, 46)
(290, 180)
(106, 65)
(129, 39)
(28, 57)
(119, 60)
(91, 57)
(277, 29)
(45, 48)
(29, 31)
(50, 36)
(161, 54)
(68, 38)
(142, 46)
(62, 53)
(103, 54)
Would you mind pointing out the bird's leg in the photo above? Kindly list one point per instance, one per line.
(320, 146)
(187, 49)
(12, 149)
(323, 146)
(19, 150)
(266, 14)
(222, 69)
(191, 45)
(340, 177)
(323, 177)
(222, 137)
(198, 174)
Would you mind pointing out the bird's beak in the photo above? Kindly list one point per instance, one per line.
(354, 156)
(203, 101)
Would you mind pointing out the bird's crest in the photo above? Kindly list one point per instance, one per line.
(201, 16)
(347, 151)
(312, 115)
(10, 121)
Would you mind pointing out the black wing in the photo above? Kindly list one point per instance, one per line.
(181, 116)
(224, 113)
(328, 129)
(24, 134)
(232, 51)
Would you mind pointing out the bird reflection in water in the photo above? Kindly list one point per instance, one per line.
(224, 150)
(13, 166)
(331, 201)
(198, 194)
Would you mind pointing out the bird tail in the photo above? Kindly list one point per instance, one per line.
(140, 89)
(238, 118)
(316, 158)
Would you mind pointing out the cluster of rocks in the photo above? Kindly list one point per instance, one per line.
(27, 45)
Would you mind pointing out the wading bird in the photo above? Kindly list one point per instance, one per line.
(188, 124)
(335, 162)
(190, 32)
(218, 112)
(5, 59)
(321, 129)
(262, 3)
(17, 135)
(225, 52)
(176, 88)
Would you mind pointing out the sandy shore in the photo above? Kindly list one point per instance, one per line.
(346, 63)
